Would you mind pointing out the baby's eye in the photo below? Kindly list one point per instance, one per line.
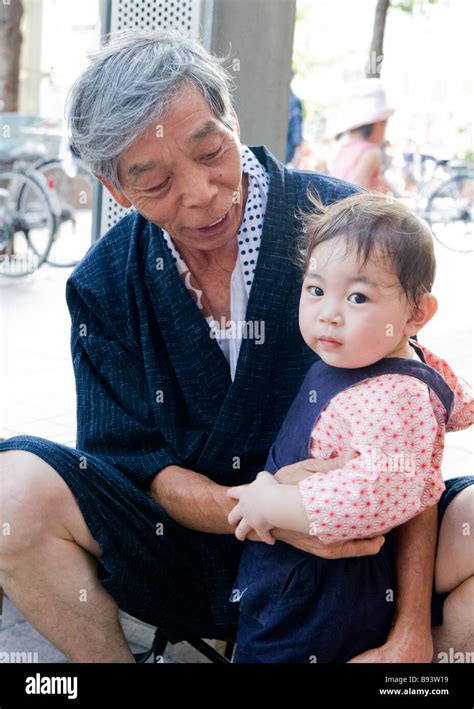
(357, 298)
(318, 291)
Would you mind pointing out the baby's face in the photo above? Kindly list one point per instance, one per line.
(349, 315)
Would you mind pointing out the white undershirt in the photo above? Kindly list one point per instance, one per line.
(230, 346)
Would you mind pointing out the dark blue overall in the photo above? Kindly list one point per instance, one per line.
(297, 607)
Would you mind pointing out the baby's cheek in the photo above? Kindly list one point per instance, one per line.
(378, 332)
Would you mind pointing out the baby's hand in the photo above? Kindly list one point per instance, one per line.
(248, 515)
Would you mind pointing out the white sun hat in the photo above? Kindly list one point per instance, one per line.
(363, 102)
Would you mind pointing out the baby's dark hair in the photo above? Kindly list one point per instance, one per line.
(369, 221)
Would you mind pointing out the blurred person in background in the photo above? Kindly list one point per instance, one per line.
(359, 125)
(295, 125)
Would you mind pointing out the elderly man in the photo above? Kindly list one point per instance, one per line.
(173, 404)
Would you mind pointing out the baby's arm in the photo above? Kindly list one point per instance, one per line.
(393, 479)
(462, 415)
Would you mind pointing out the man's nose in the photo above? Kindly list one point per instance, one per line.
(197, 189)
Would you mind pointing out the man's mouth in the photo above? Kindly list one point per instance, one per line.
(213, 228)
(218, 221)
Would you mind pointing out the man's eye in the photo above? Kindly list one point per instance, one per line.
(317, 290)
(357, 298)
(160, 187)
(212, 155)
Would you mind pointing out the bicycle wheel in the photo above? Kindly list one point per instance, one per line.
(449, 212)
(26, 235)
(74, 196)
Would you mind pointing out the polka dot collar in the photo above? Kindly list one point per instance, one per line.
(250, 232)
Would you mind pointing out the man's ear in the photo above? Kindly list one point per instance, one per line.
(421, 314)
(116, 194)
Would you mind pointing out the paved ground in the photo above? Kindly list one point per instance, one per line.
(37, 385)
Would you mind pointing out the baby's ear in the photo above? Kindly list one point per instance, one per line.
(422, 313)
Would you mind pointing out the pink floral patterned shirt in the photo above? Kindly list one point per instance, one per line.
(397, 426)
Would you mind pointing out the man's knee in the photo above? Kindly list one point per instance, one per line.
(455, 555)
(453, 640)
(33, 496)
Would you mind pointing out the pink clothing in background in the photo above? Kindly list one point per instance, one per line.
(347, 159)
(397, 426)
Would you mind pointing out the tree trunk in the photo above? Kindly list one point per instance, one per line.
(10, 47)
(374, 64)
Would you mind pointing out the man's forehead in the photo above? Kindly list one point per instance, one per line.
(199, 133)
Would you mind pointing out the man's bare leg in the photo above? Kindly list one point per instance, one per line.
(48, 563)
(454, 574)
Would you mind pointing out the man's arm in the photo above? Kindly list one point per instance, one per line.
(198, 503)
(415, 555)
(192, 499)
(410, 637)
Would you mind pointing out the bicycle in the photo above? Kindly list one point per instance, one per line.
(62, 175)
(37, 195)
(26, 230)
(449, 211)
(445, 199)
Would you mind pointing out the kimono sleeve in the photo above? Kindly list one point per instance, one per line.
(462, 415)
(392, 479)
(115, 418)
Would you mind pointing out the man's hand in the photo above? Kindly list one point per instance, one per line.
(410, 647)
(336, 550)
(292, 474)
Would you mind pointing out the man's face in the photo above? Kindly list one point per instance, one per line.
(184, 173)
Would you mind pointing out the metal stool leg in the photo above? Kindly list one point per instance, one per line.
(160, 642)
(158, 648)
(229, 650)
(208, 651)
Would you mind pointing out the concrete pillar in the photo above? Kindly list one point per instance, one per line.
(258, 34)
(30, 68)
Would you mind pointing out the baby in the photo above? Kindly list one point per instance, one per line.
(377, 400)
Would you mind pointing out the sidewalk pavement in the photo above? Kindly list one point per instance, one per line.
(23, 643)
(38, 395)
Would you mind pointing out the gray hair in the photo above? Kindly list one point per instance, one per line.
(129, 83)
